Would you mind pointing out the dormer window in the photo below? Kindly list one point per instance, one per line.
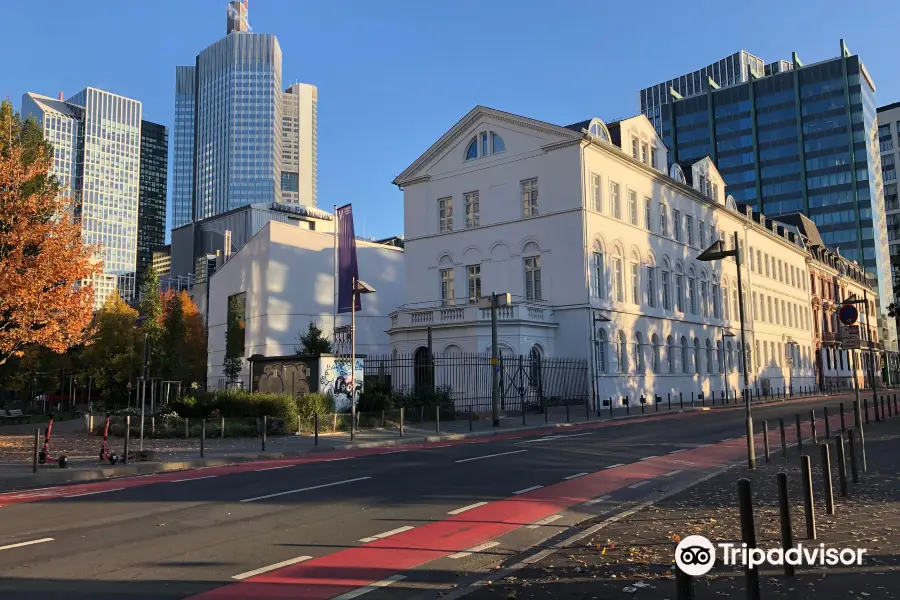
(485, 144)
(598, 130)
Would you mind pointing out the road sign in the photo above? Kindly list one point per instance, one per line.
(848, 314)
(851, 337)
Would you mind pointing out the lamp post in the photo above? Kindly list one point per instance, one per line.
(718, 252)
(359, 287)
(493, 302)
(725, 334)
(790, 361)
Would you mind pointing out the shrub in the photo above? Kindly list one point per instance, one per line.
(373, 400)
(440, 396)
(281, 409)
(311, 404)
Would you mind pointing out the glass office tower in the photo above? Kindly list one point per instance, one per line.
(152, 193)
(183, 148)
(804, 139)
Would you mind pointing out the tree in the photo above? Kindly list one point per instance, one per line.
(313, 341)
(109, 358)
(183, 346)
(45, 298)
(234, 337)
(150, 306)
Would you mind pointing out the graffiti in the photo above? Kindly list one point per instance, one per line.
(285, 378)
(335, 379)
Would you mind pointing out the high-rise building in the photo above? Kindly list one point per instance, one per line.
(152, 193)
(230, 127)
(299, 159)
(802, 139)
(889, 146)
(96, 137)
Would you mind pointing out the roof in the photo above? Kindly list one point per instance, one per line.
(804, 225)
(52, 104)
(887, 107)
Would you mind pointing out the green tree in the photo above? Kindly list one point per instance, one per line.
(109, 358)
(235, 337)
(151, 310)
(313, 341)
(172, 342)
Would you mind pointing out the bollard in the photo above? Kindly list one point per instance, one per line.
(783, 437)
(127, 438)
(799, 437)
(567, 411)
(316, 428)
(890, 409)
(684, 585)
(827, 424)
(186, 433)
(842, 465)
(37, 443)
(843, 425)
(656, 400)
(681, 399)
(808, 498)
(692, 399)
(866, 409)
(223, 428)
(853, 471)
(437, 420)
(610, 407)
(766, 439)
(670, 400)
(264, 427)
(784, 509)
(826, 480)
(402, 411)
(627, 406)
(812, 423)
(202, 438)
(895, 404)
(422, 414)
(471, 420)
(748, 536)
(861, 435)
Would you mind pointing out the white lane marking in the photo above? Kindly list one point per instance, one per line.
(639, 484)
(342, 458)
(442, 446)
(649, 457)
(529, 489)
(703, 446)
(576, 476)
(465, 508)
(394, 452)
(677, 451)
(728, 440)
(474, 550)
(597, 500)
(386, 534)
(306, 489)
(371, 587)
(489, 456)
(197, 478)
(92, 493)
(544, 521)
(543, 439)
(262, 570)
(615, 465)
(672, 473)
(268, 469)
(21, 544)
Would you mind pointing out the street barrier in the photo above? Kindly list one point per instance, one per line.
(748, 536)
(784, 510)
(842, 464)
(806, 475)
(826, 480)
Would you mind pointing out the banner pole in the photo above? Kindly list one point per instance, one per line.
(335, 293)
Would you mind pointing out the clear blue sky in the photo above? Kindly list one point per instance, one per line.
(395, 75)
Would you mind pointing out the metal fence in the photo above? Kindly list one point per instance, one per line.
(528, 381)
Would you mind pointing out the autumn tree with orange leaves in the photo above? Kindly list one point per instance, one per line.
(42, 258)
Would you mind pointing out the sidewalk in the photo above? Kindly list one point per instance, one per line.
(633, 557)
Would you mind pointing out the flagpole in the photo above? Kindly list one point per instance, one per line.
(335, 293)
(353, 363)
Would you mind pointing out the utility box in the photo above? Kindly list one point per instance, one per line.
(304, 374)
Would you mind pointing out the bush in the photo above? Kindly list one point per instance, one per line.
(311, 404)
(425, 397)
(373, 400)
(281, 409)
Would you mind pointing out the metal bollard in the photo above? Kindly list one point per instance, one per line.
(127, 438)
(812, 423)
(784, 509)
(437, 419)
(890, 408)
(895, 404)
(402, 411)
(766, 439)
(799, 436)
(264, 427)
(681, 400)
(842, 465)
(610, 407)
(422, 414)
(866, 409)
(37, 443)
(748, 536)
(826, 480)
(186, 428)
(692, 399)
(843, 425)
(656, 400)
(684, 585)
(808, 498)
(827, 424)
(316, 428)
(567, 411)
(471, 420)
(202, 438)
(850, 441)
(783, 437)
(627, 406)
(861, 436)
(223, 428)
(670, 400)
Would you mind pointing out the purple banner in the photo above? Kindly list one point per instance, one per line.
(348, 270)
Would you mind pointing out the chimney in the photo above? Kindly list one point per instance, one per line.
(60, 95)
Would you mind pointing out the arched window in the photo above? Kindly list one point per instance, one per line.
(491, 143)
(692, 291)
(679, 289)
(666, 284)
(696, 355)
(598, 271)
(639, 365)
(452, 349)
(725, 306)
(598, 129)
(655, 342)
(720, 357)
(618, 276)
(677, 174)
(601, 343)
(714, 293)
(650, 295)
(704, 294)
(497, 143)
(730, 351)
(685, 355)
(535, 356)
(710, 361)
(670, 353)
(472, 150)
(635, 278)
(423, 373)
(622, 352)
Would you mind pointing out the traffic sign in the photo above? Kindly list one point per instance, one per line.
(848, 314)
(850, 338)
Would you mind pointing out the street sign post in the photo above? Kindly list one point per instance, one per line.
(850, 338)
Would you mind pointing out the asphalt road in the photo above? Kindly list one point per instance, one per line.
(328, 526)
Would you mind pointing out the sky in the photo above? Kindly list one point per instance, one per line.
(395, 75)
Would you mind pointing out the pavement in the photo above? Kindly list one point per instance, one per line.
(423, 520)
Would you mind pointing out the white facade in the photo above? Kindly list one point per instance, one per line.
(575, 230)
(299, 132)
(287, 274)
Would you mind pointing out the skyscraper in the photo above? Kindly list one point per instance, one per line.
(801, 139)
(229, 127)
(299, 160)
(152, 193)
(96, 137)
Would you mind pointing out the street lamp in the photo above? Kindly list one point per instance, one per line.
(725, 334)
(359, 287)
(718, 252)
(493, 302)
(790, 361)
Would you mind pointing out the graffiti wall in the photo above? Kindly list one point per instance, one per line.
(293, 377)
(335, 379)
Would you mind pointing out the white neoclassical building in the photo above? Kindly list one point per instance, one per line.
(597, 243)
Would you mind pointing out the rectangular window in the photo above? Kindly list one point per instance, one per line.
(533, 278)
(704, 300)
(599, 275)
(614, 200)
(446, 286)
(445, 214)
(474, 284)
(692, 295)
(645, 154)
(752, 262)
(712, 234)
(618, 283)
(648, 214)
(236, 326)
(767, 265)
(768, 317)
(715, 191)
(701, 231)
(635, 284)
(596, 194)
(634, 148)
(530, 197)
(472, 218)
(651, 287)
(689, 230)
(676, 222)
(755, 311)
(667, 301)
(632, 207)
(679, 292)
(653, 162)
(663, 220)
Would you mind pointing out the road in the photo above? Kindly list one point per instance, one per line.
(416, 519)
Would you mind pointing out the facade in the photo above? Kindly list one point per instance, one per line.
(231, 128)
(731, 70)
(285, 275)
(889, 146)
(497, 205)
(151, 231)
(802, 140)
(97, 155)
(162, 260)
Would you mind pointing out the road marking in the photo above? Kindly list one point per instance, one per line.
(394, 452)
(371, 587)
(597, 500)
(676, 451)
(442, 446)
(386, 534)
(672, 473)
(703, 446)
(196, 478)
(31, 543)
(543, 439)
(531, 489)
(728, 440)
(545, 521)
(576, 476)
(465, 508)
(639, 484)
(342, 458)
(489, 456)
(268, 469)
(306, 489)
(615, 465)
(474, 550)
(262, 570)
(649, 457)
(92, 493)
